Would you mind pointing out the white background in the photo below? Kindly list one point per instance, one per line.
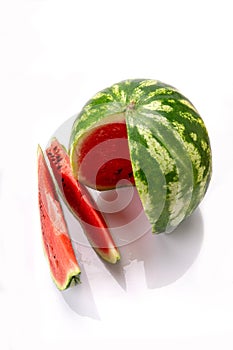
(54, 55)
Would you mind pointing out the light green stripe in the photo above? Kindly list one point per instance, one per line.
(188, 104)
(157, 105)
(157, 151)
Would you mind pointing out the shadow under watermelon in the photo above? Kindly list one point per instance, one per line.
(150, 259)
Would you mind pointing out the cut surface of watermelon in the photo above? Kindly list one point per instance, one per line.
(103, 159)
(57, 245)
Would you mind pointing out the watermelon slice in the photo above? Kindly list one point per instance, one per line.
(80, 203)
(57, 245)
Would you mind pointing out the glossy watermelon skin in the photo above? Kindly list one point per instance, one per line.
(168, 142)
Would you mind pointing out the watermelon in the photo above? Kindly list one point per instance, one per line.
(57, 245)
(163, 144)
(81, 204)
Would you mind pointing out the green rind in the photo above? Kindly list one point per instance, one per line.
(73, 278)
(169, 146)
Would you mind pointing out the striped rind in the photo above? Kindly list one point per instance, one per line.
(168, 141)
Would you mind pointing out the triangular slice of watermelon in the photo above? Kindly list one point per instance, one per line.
(81, 204)
(57, 245)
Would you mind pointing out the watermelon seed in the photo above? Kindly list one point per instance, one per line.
(118, 171)
(130, 174)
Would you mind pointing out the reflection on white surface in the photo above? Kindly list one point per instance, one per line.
(148, 261)
(80, 298)
(165, 257)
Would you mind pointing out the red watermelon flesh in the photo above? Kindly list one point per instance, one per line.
(80, 202)
(58, 249)
(103, 157)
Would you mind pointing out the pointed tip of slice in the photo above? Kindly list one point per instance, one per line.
(73, 278)
(55, 141)
(115, 257)
(112, 257)
(39, 150)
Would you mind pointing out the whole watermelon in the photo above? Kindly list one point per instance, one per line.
(168, 145)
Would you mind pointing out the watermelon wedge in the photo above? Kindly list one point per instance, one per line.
(81, 204)
(57, 245)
